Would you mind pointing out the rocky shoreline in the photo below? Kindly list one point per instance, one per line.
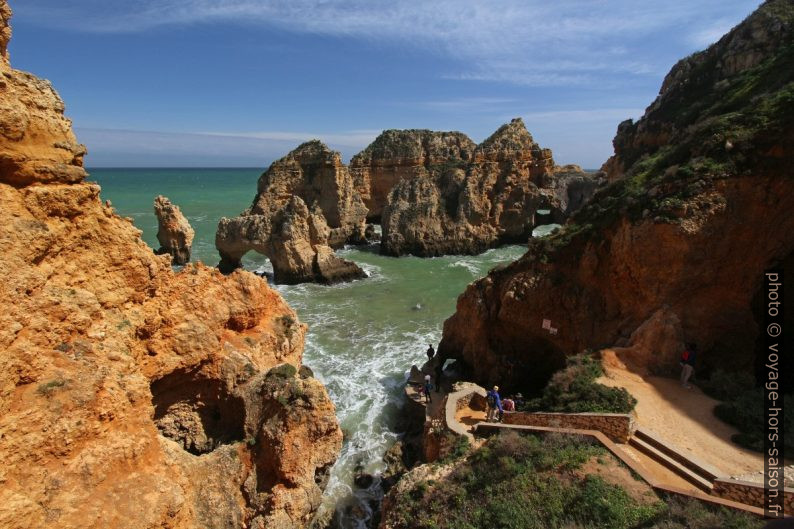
(434, 193)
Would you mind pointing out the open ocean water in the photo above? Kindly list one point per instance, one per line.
(363, 336)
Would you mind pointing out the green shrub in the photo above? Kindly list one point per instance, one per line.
(725, 385)
(48, 388)
(742, 407)
(460, 447)
(521, 482)
(528, 482)
(575, 390)
(687, 513)
(283, 371)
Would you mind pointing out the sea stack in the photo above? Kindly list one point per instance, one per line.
(305, 207)
(453, 197)
(173, 231)
(396, 155)
(131, 395)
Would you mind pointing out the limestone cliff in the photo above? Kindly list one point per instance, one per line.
(464, 201)
(173, 231)
(700, 203)
(399, 154)
(131, 396)
(306, 205)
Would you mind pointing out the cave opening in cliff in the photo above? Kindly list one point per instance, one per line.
(197, 412)
(525, 364)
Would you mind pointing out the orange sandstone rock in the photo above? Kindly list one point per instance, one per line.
(131, 396)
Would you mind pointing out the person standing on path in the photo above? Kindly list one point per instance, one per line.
(427, 388)
(430, 352)
(688, 364)
(494, 405)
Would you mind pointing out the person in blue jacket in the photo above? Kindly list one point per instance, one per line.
(427, 388)
(494, 405)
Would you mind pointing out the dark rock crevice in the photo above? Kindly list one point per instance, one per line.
(198, 413)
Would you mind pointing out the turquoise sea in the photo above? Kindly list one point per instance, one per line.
(363, 336)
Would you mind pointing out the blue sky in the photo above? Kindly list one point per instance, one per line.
(241, 82)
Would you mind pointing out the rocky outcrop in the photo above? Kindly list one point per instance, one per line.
(473, 200)
(173, 231)
(294, 239)
(5, 31)
(715, 74)
(130, 395)
(305, 206)
(38, 143)
(404, 154)
(573, 187)
(675, 247)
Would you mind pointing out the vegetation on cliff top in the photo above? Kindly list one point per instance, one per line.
(575, 390)
(528, 482)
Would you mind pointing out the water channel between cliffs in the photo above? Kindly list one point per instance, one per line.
(363, 336)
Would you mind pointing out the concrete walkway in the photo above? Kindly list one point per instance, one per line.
(434, 409)
(683, 417)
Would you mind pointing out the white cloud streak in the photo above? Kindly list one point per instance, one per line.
(119, 147)
(530, 42)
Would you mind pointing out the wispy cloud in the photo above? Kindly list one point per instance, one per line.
(612, 115)
(115, 147)
(530, 42)
(355, 138)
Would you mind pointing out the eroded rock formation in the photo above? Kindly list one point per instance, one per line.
(173, 231)
(464, 200)
(399, 154)
(700, 204)
(132, 396)
(38, 143)
(305, 206)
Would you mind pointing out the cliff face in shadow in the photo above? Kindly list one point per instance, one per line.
(699, 205)
(131, 396)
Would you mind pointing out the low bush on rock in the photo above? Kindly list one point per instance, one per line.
(742, 408)
(575, 390)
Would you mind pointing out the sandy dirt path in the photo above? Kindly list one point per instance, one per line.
(683, 417)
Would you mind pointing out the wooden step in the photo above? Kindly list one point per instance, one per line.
(701, 468)
(660, 457)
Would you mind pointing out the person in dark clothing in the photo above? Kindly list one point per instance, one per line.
(519, 400)
(439, 372)
(430, 352)
(427, 388)
(688, 364)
